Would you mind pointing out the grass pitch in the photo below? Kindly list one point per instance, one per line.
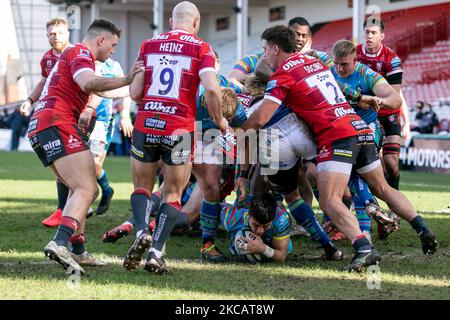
(28, 194)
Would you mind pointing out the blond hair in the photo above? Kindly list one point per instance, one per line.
(343, 48)
(56, 22)
(229, 103)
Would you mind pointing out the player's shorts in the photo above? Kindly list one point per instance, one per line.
(173, 150)
(359, 151)
(391, 124)
(57, 142)
(284, 181)
(290, 139)
(100, 138)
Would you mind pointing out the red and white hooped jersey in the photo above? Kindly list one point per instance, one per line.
(385, 62)
(173, 64)
(308, 88)
(62, 100)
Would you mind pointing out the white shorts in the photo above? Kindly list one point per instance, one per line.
(100, 138)
(288, 140)
(207, 153)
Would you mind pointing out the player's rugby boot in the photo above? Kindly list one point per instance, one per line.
(54, 220)
(62, 255)
(362, 260)
(133, 257)
(156, 265)
(387, 222)
(86, 259)
(105, 202)
(429, 243)
(117, 233)
(211, 253)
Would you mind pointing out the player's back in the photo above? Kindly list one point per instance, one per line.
(308, 88)
(62, 100)
(173, 63)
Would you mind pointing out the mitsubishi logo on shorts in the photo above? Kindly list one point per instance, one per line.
(72, 139)
(73, 142)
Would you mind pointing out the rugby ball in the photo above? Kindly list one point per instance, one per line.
(239, 246)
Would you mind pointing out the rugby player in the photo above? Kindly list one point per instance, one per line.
(58, 37)
(383, 60)
(57, 131)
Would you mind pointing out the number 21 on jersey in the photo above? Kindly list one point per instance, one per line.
(166, 74)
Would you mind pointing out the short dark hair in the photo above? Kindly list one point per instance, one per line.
(282, 36)
(99, 25)
(301, 22)
(263, 208)
(374, 22)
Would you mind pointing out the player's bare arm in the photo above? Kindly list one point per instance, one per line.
(90, 83)
(261, 116)
(25, 107)
(391, 99)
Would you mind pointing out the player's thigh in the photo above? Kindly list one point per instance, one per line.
(332, 184)
(207, 175)
(77, 170)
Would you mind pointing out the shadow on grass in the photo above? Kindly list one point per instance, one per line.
(232, 279)
(21, 231)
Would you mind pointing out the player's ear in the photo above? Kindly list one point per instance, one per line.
(382, 36)
(171, 23)
(100, 40)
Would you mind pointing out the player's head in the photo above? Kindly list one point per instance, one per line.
(58, 34)
(344, 58)
(104, 36)
(253, 86)
(302, 31)
(262, 212)
(373, 33)
(229, 103)
(186, 16)
(278, 43)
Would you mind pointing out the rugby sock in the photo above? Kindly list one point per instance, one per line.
(165, 221)
(361, 244)
(183, 221)
(103, 182)
(63, 193)
(360, 188)
(418, 224)
(77, 244)
(305, 217)
(361, 214)
(65, 230)
(155, 200)
(209, 220)
(140, 205)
